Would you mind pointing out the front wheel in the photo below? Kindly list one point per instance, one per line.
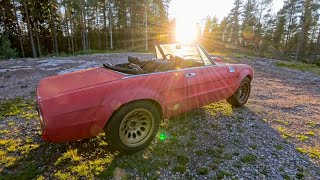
(241, 96)
(133, 126)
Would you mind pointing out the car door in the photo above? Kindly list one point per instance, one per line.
(206, 85)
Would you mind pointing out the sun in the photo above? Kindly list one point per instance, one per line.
(185, 32)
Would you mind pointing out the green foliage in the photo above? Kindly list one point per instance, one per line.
(6, 51)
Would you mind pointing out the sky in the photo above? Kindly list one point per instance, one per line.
(195, 11)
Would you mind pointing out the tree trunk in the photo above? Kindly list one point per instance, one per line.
(29, 30)
(304, 30)
(105, 22)
(37, 38)
(71, 28)
(131, 25)
(19, 29)
(54, 31)
(110, 25)
(98, 29)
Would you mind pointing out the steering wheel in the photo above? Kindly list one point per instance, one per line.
(170, 56)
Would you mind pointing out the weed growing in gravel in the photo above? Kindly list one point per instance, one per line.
(302, 137)
(23, 108)
(284, 132)
(220, 107)
(311, 124)
(313, 152)
(248, 158)
(71, 154)
(278, 147)
(4, 131)
(182, 159)
(310, 133)
(63, 176)
(202, 171)
(179, 168)
(223, 174)
(282, 122)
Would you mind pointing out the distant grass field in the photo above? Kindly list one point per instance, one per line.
(300, 66)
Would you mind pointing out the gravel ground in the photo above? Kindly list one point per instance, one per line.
(275, 136)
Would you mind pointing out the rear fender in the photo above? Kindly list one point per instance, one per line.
(114, 101)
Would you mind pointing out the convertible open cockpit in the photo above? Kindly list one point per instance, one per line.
(168, 57)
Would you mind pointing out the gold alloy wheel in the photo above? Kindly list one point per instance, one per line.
(244, 92)
(136, 127)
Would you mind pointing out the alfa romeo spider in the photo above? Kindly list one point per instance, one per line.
(129, 100)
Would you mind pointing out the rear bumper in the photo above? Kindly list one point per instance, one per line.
(42, 123)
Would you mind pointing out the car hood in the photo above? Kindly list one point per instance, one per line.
(56, 85)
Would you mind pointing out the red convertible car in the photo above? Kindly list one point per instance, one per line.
(128, 100)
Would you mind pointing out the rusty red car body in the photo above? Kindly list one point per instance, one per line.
(78, 105)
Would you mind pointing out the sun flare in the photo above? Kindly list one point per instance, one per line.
(186, 32)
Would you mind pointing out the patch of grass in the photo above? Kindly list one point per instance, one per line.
(11, 123)
(302, 137)
(179, 168)
(248, 158)
(25, 149)
(299, 175)
(182, 159)
(220, 107)
(202, 171)
(310, 133)
(278, 147)
(4, 131)
(281, 121)
(223, 174)
(18, 107)
(284, 132)
(253, 147)
(63, 176)
(311, 124)
(313, 152)
(71, 154)
(300, 66)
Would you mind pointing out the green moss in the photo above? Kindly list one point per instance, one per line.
(278, 147)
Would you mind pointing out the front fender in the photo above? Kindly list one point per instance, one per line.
(244, 72)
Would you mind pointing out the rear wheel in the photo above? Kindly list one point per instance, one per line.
(133, 126)
(241, 96)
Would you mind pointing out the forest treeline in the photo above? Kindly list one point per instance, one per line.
(35, 28)
(292, 33)
(39, 27)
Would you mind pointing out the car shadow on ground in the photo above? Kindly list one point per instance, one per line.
(214, 141)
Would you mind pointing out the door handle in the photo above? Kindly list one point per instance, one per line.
(190, 75)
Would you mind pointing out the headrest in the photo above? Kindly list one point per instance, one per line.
(134, 60)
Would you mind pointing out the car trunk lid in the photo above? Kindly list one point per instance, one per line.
(55, 85)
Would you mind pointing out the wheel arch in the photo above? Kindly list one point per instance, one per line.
(156, 103)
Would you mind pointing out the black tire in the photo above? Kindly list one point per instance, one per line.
(240, 98)
(131, 123)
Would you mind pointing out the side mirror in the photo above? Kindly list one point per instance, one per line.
(217, 59)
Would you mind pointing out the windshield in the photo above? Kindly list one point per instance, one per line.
(187, 52)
